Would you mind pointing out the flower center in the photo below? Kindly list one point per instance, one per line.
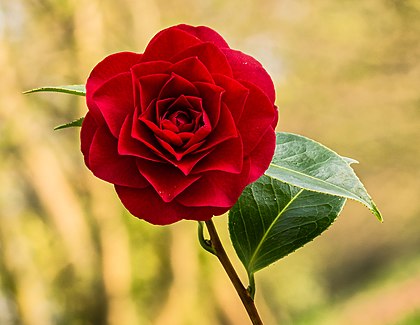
(180, 118)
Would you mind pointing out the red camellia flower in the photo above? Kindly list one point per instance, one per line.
(181, 129)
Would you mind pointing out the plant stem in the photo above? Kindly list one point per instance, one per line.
(246, 299)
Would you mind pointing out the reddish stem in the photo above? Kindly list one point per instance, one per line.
(243, 293)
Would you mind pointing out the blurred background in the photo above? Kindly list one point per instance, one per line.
(347, 74)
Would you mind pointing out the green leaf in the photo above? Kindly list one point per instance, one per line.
(75, 123)
(307, 164)
(70, 89)
(272, 219)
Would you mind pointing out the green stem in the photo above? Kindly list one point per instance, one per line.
(206, 244)
(243, 293)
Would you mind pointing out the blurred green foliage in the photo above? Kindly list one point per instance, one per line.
(347, 74)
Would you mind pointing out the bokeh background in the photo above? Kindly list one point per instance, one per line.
(347, 74)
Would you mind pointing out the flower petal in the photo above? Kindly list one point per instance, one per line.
(246, 68)
(177, 86)
(205, 34)
(216, 189)
(146, 69)
(192, 69)
(128, 146)
(107, 164)
(211, 56)
(87, 132)
(235, 94)
(149, 87)
(114, 100)
(109, 67)
(167, 180)
(262, 155)
(258, 115)
(147, 205)
(225, 130)
(167, 43)
(211, 100)
(227, 156)
(149, 68)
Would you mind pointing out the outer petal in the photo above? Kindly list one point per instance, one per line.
(205, 34)
(146, 204)
(167, 180)
(211, 56)
(235, 94)
(107, 164)
(109, 67)
(89, 128)
(262, 155)
(246, 68)
(258, 115)
(167, 43)
(152, 67)
(216, 189)
(114, 99)
(227, 157)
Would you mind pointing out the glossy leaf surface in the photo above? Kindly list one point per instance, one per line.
(307, 164)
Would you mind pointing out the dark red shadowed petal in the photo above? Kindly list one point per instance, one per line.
(188, 162)
(217, 189)
(211, 100)
(149, 87)
(107, 164)
(225, 130)
(227, 156)
(205, 34)
(211, 56)
(114, 99)
(153, 67)
(128, 146)
(109, 67)
(258, 115)
(276, 118)
(183, 114)
(246, 68)
(192, 69)
(146, 69)
(260, 158)
(147, 205)
(177, 86)
(235, 94)
(87, 132)
(140, 132)
(167, 43)
(168, 136)
(167, 180)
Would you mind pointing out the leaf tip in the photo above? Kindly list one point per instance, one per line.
(377, 213)
(75, 123)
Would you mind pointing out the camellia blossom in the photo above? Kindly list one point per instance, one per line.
(181, 129)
